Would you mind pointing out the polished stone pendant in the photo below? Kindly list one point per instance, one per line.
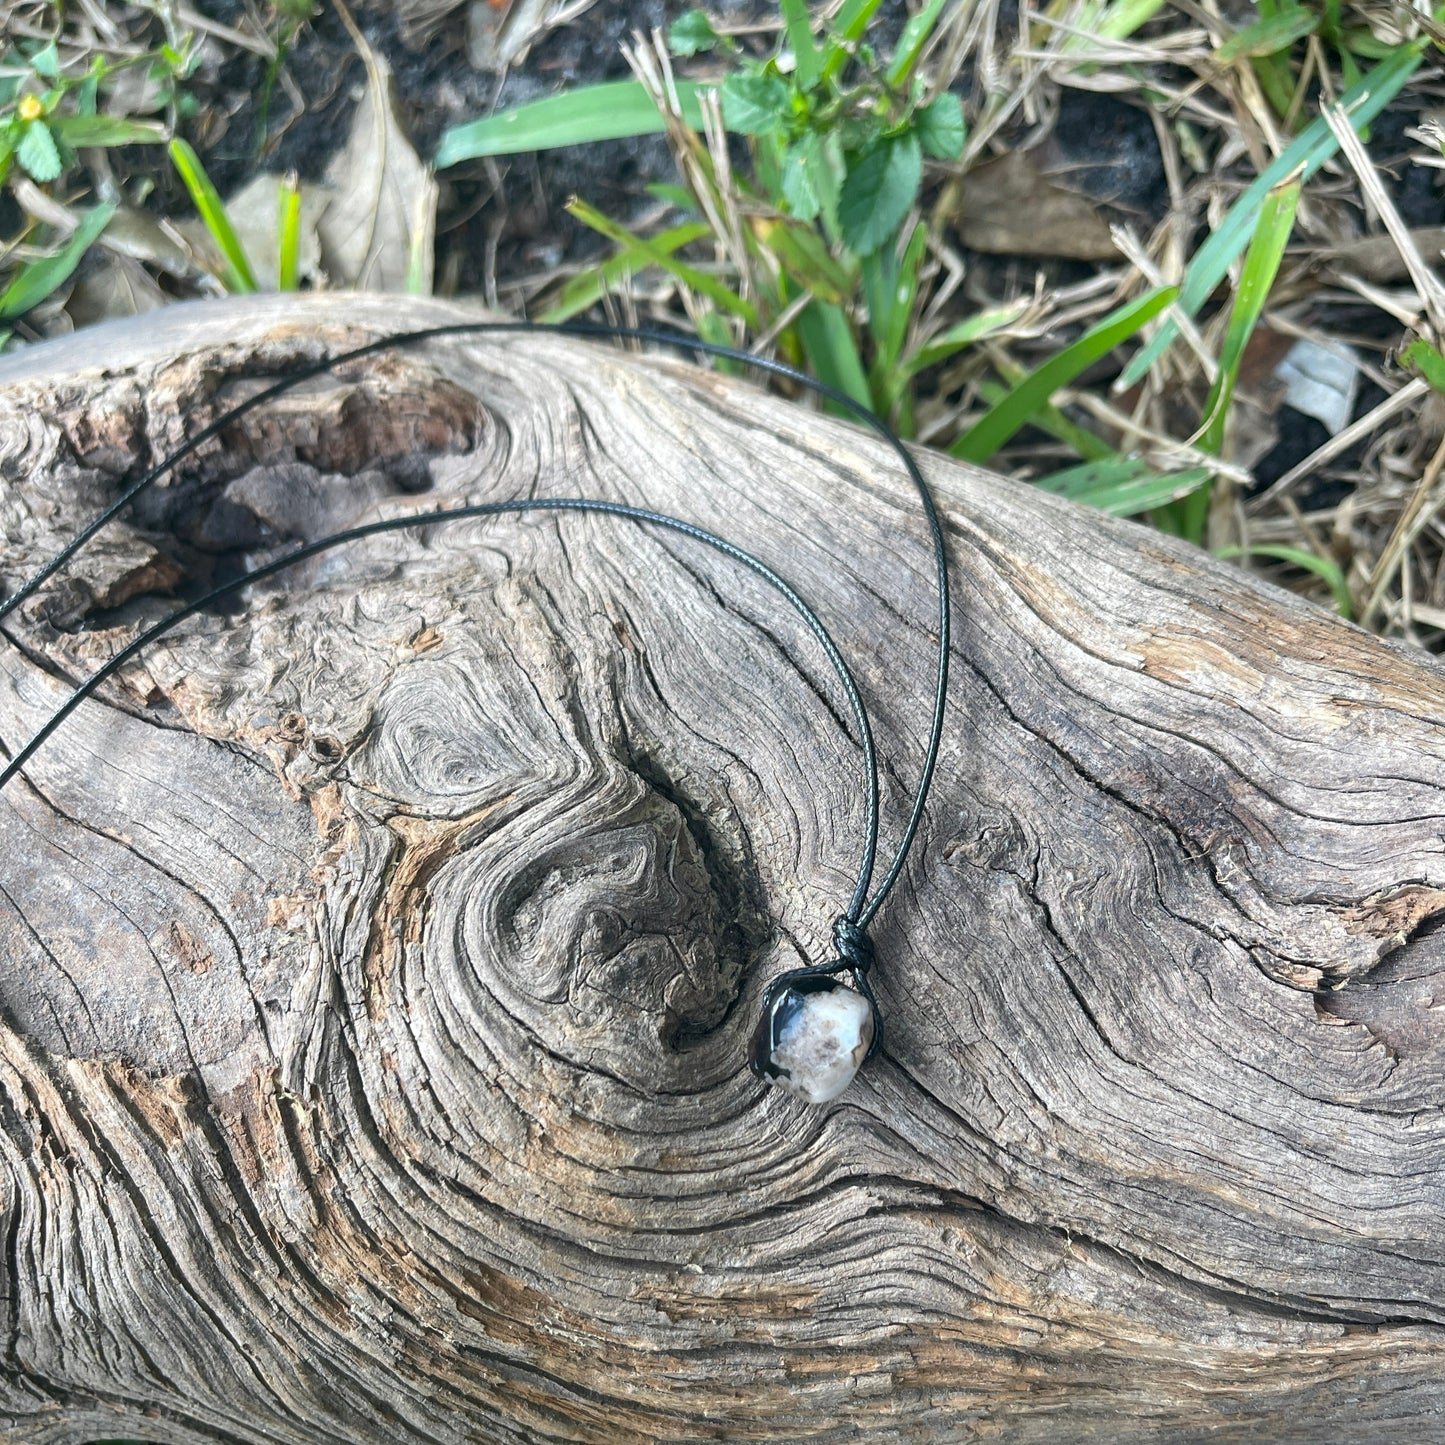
(814, 1034)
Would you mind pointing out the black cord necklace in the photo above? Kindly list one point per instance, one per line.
(815, 1030)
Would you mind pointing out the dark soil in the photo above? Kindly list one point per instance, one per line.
(1107, 148)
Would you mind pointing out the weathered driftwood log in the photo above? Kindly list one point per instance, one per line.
(378, 962)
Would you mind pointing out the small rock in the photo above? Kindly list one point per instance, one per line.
(813, 1038)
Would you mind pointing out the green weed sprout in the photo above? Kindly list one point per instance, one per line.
(47, 116)
(838, 136)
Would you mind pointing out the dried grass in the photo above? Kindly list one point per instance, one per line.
(1370, 498)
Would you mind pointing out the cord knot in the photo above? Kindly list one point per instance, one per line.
(854, 946)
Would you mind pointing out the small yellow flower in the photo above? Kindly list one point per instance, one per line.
(31, 107)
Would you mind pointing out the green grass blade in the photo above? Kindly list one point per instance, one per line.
(1005, 417)
(37, 279)
(852, 19)
(588, 288)
(1052, 422)
(915, 35)
(1305, 154)
(1089, 445)
(419, 262)
(890, 285)
(1261, 266)
(878, 273)
(699, 281)
(1122, 486)
(1099, 21)
(105, 130)
(905, 294)
(1324, 567)
(673, 195)
(1277, 80)
(804, 255)
(288, 231)
(611, 111)
(212, 211)
(1190, 518)
(848, 25)
(832, 353)
(1268, 37)
(714, 328)
(806, 60)
(978, 326)
(1124, 17)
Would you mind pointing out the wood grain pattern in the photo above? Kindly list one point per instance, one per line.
(378, 961)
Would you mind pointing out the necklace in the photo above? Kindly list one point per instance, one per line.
(819, 1023)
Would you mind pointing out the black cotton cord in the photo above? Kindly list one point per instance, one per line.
(850, 933)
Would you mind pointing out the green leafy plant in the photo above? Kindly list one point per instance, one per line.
(46, 116)
(828, 254)
(846, 151)
(49, 112)
(824, 255)
(820, 246)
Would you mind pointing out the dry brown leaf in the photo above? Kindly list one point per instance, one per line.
(377, 233)
(111, 285)
(1010, 208)
(137, 234)
(131, 233)
(1378, 258)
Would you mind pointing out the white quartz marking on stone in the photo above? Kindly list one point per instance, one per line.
(822, 1046)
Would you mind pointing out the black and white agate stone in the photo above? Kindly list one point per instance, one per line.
(814, 1034)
